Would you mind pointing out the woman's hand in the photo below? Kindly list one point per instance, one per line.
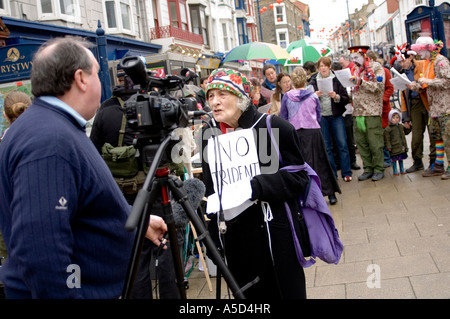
(332, 94)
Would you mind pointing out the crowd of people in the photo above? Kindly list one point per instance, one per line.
(360, 117)
(60, 205)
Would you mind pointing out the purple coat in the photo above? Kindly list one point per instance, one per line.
(301, 108)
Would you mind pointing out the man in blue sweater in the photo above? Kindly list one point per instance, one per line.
(61, 213)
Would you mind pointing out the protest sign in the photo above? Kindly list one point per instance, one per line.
(233, 161)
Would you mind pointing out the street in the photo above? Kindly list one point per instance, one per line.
(396, 242)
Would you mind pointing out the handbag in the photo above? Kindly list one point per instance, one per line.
(121, 160)
(324, 240)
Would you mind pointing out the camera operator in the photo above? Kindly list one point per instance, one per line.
(105, 129)
(108, 119)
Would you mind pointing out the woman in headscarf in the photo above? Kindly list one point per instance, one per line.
(257, 252)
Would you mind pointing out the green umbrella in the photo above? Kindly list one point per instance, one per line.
(256, 51)
(307, 50)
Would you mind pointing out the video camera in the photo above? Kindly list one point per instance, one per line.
(153, 109)
(153, 112)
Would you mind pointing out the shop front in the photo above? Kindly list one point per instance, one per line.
(20, 39)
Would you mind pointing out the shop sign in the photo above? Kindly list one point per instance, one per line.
(16, 62)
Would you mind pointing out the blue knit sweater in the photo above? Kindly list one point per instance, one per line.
(61, 212)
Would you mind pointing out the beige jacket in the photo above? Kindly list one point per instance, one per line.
(368, 97)
(438, 90)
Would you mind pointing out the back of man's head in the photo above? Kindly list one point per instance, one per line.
(55, 63)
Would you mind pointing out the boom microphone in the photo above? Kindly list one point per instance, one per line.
(195, 191)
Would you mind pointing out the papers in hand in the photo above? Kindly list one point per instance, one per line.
(233, 161)
(344, 76)
(399, 81)
(325, 85)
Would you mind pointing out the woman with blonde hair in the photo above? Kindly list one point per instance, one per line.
(15, 103)
(301, 108)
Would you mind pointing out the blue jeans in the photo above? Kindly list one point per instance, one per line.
(334, 125)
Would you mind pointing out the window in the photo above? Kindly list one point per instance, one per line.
(250, 7)
(282, 38)
(225, 36)
(183, 16)
(4, 6)
(199, 22)
(239, 4)
(279, 13)
(242, 30)
(178, 14)
(155, 14)
(118, 16)
(68, 10)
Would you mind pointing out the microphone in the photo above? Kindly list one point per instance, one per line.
(192, 114)
(195, 191)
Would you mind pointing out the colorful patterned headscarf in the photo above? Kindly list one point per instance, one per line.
(230, 80)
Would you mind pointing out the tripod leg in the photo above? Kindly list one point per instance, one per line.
(173, 239)
(136, 252)
(144, 217)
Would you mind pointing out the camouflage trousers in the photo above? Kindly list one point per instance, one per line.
(440, 130)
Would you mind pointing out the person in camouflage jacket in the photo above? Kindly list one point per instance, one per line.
(369, 78)
(436, 81)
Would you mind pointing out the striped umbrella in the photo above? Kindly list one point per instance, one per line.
(307, 50)
(256, 51)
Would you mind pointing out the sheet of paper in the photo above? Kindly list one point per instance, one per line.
(399, 81)
(325, 85)
(344, 76)
(235, 199)
(233, 161)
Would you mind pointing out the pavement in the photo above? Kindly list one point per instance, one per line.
(396, 241)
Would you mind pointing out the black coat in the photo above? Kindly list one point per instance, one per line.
(337, 108)
(108, 120)
(246, 244)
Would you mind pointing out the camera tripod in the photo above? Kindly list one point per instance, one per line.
(158, 179)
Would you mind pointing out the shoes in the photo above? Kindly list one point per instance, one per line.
(347, 178)
(355, 166)
(333, 199)
(365, 176)
(377, 176)
(417, 166)
(446, 175)
(434, 170)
